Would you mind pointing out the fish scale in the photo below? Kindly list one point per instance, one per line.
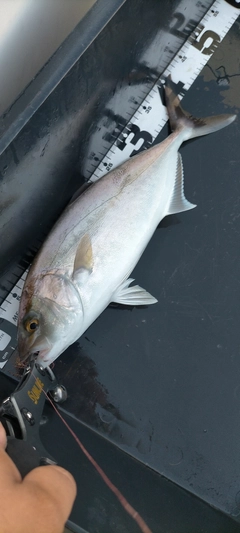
(143, 127)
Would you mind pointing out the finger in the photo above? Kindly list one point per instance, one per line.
(53, 489)
(3, 437)
(8, 470)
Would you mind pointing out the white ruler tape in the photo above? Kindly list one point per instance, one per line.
(142, 129)
(8, 321)
(130, 94)
(151, 115)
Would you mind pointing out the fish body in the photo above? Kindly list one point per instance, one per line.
(86, 261)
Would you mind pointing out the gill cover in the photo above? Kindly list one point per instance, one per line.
(49, 310)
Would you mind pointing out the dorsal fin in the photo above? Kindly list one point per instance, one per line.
(80, 191)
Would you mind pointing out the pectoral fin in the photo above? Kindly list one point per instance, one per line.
(178, 201)
(83, 263)
(134, 295)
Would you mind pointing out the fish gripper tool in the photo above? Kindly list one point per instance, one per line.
(22, 414)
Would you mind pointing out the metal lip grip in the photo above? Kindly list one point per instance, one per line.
(21, 415)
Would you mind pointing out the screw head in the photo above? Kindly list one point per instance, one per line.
(40, 369)
(28, 416)
(59, 394)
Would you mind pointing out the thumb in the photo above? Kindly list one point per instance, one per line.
(3, 437)
(54, 488)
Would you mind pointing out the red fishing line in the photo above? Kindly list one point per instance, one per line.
(128, 508)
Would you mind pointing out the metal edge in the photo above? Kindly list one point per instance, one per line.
(32, 97)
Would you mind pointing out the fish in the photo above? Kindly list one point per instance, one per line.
(88, 257)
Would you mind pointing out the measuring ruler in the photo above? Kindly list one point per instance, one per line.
(142, 129)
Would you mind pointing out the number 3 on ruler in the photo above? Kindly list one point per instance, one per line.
(208, 34)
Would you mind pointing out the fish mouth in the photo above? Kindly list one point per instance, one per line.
(38, 349)
(23, 354)
(42, 356)
(23, 361)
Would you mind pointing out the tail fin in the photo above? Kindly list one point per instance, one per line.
(191, 126)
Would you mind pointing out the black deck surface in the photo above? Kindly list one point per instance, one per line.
(163, 382)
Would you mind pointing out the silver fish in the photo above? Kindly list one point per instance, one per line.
(85, 262)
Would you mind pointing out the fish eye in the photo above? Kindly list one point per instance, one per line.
(31, 325)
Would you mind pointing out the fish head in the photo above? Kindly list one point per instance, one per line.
(50, 317)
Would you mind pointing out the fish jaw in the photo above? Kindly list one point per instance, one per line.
(56, 316)
(29, 345)
(47, 356)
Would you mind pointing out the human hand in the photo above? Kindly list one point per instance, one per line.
(41, 502)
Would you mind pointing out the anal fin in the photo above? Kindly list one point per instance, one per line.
(178, 201)
(134, 295)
